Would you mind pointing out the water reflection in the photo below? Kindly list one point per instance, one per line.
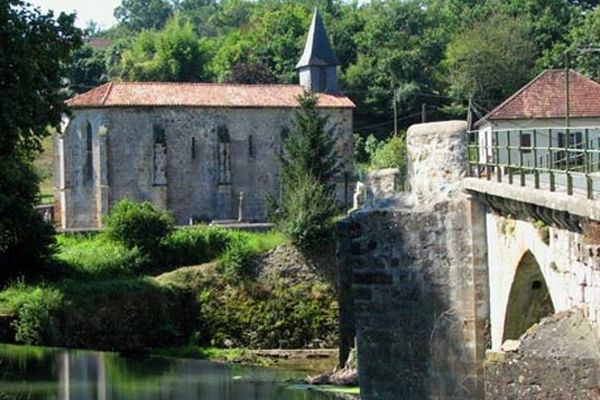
(36, 373)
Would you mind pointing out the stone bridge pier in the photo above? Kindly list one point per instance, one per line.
(470, 288)
(416, 280)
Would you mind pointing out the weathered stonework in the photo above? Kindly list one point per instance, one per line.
(568, 263)
(557, 359)
(383, 183)
(418, 278)
(179, 159)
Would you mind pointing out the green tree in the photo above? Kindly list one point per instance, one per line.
(34, 50)
(400, 47)
(274, 38)
(309, 146)
(309, 162)
(87, 70)
(137, 15)
(174, 54)
(138, 225)
(490, 60)
(586, 35)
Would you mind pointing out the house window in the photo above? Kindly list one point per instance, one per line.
(88, 167)
(160, 155)
(574, 141)
(525, 142)
(223, 156)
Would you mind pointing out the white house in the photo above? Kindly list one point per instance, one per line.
(529, 128)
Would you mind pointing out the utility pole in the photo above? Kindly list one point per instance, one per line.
(567, 81)
(567, 100)
(395, 114)
(423, 112)
(470, 114)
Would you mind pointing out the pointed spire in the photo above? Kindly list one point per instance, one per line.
(317, 51)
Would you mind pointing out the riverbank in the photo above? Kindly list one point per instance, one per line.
(104, 296)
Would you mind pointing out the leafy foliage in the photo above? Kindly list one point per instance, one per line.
(308, 164)
(490, 60)
(138, 225)
(125, 315)
(37, 322)
(98, 256)
(307, 209)
(263, 316)
(408, 49)
(174, 54)
(391, 154)
(87, 70)
(138, 15)
(34, 49)
(309, 146)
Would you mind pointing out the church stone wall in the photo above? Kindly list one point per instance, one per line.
(192, 161)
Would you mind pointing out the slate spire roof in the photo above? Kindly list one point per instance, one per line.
(544, 97)
(317, 51)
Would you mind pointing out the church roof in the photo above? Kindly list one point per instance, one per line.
(544, 97)
(171, 94)
(317, 50)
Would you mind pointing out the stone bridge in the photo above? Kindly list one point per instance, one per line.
(438, 283)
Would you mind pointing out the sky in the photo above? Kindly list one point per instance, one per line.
(101, 11)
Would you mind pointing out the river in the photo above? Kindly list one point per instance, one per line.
(35, 373)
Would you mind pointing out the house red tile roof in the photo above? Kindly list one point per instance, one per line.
(544, 97)
(99, 43)
(168, 94)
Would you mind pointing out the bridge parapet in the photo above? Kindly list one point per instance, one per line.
(557, 159)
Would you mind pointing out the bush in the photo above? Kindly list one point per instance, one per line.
(125, 315)
(306, 214)
(256, 315)
(238, 260)
(36, 309)
(138, 225)
(26, 241)
(195, 245)
(391, 154)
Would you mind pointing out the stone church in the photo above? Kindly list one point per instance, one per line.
(191, 148)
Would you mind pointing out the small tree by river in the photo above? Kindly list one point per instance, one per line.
(309, 162)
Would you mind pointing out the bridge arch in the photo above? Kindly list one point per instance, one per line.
(529, 300)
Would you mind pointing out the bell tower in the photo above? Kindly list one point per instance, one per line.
(318, 65)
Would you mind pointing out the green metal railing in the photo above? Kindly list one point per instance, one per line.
(557, 159)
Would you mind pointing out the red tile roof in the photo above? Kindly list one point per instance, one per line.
(168, 94)
(544, 97)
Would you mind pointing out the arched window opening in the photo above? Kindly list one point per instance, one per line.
(160, 155)
(88, 167)
(251, 150)
(223, 155)
(322, 79)
(529, 300)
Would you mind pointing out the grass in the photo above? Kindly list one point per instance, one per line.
(97, 255)
(261, 242)
(19, 293)
(43, 166)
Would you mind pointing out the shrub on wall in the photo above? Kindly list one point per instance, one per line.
(258, 315)
(307, 211)
(138, 225)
